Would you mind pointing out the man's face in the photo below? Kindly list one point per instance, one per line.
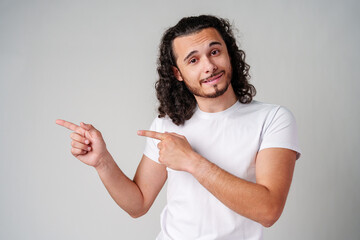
(203, 63)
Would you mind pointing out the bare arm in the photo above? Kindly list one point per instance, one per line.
(134, 196)
(262, 201)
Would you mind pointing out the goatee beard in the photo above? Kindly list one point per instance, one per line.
(218, 92)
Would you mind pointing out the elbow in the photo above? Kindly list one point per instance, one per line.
(270, 216)
(268, 223)
(137, 214)
(137, 210)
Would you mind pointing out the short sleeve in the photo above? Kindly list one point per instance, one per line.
(151, 150)
(280, 131)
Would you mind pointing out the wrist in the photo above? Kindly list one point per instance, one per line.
(197, 161)
(104, 161)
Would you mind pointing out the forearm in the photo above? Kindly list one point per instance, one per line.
(124, 191)
(248, 199)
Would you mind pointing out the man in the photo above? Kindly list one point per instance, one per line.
(228, 159)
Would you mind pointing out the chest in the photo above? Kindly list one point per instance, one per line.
(230, 143)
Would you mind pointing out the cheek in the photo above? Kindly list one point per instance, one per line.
(225, 63)
(227, 67)
(230, 69)
(228, 64)
(193, 75)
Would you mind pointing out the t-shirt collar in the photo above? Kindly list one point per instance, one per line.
(226, 112)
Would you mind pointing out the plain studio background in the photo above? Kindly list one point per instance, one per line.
(95, 61)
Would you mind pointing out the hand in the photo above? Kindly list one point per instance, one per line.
(174, 150)
(87, 143)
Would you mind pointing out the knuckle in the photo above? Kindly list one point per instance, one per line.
(97, 133)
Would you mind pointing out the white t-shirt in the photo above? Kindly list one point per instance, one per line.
(230, 139)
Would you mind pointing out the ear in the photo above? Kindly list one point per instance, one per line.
(177, 73)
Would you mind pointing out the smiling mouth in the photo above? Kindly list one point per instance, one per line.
(213, 77)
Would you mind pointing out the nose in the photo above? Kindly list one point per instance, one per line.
(209, 66)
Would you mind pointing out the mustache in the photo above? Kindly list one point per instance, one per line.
(212, 75)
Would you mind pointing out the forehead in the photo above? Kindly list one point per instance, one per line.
(196, 41)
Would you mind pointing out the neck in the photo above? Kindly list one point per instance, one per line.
(217, 104)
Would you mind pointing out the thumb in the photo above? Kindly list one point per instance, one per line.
(87, 127)
(90, 132)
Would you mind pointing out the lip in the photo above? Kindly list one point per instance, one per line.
(214, 79)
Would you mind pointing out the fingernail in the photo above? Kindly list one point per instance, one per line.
(139, 132)
(87, 141)
(89, 148)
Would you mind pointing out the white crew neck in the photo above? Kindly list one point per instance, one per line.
(226, 112)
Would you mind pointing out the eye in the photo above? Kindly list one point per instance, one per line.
(215, 52)
(192, 61)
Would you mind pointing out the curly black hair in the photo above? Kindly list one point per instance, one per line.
(175, 99)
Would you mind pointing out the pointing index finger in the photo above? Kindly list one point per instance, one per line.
(70, 126)
(151, 134)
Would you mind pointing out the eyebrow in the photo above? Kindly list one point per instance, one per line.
(195, 51)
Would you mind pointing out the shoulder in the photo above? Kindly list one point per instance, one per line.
(270, 110)
(257, 105)
(162, 124)
(266, 114)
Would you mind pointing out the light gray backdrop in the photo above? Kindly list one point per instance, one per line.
(95, 61)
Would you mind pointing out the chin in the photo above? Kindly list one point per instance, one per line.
(217, 93)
